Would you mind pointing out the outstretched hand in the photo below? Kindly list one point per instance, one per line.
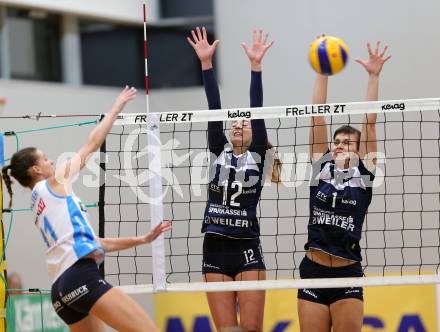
(124, 97)
(373, 65)
(157, 231)
(259, 47)
(201, 46)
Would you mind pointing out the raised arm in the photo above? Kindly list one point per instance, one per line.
(373, 66)
(70, 168)
(318, 136)
(256, 53)
(205, 52)
(122, 243)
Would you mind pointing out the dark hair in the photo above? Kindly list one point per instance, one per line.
(349, 130)
(21, 161)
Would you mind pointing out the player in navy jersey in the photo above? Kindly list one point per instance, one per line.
(340, 193)
(80, 296)
(231, 248)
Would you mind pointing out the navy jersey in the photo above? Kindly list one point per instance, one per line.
(339, 200)
(235, 181)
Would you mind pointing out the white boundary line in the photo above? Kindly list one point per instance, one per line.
(294, 111)
(288, 284)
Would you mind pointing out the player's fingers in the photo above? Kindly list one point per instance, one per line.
(193, 33)
(370, 52)
(264, 40)
(269, 45)
(215, 43)
(254, 36)
(245, 47)
(387, 58)
(384, 51)
(199, 33)
(376, 51)
(362, 62)
(190, 42)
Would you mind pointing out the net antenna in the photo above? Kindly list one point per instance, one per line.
(154, 149)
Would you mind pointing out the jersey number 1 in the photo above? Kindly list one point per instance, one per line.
(334, 199)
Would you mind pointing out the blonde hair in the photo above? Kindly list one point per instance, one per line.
(273, 165)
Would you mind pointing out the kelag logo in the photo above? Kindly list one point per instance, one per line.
(400, 106)
(239, 114)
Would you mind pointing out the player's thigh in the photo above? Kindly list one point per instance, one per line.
(88, 324)
(313, 317)
(223, 305)
(251, 303)
(121, 312)
(347, 315)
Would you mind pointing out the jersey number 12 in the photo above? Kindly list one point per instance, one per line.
(234, 185)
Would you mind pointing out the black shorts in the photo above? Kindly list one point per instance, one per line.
(77, 290)
(309, 269)
(228, 256)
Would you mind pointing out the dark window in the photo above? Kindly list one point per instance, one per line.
(172, 61)
(35, 46)
(187, 8)
(114, 56)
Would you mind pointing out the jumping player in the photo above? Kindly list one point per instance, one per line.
(340, 193)
(80, 296)
(231, 248)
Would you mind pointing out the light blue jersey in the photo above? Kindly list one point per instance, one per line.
(64, 226)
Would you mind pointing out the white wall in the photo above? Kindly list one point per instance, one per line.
(410, 28)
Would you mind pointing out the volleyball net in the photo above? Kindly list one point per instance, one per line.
(157, 167)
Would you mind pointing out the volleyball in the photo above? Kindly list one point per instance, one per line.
(328, 55)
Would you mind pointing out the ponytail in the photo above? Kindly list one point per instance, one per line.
(8, 182)
(19, 169)
(272, 165)
(277, 165)
(276, 168)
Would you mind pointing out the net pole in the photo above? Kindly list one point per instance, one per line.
(155, 185)
(155, 203)
(101, 203)
(144, 6)
(3, 294)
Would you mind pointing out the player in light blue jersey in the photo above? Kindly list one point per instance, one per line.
(340, 193)
(80, 296)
